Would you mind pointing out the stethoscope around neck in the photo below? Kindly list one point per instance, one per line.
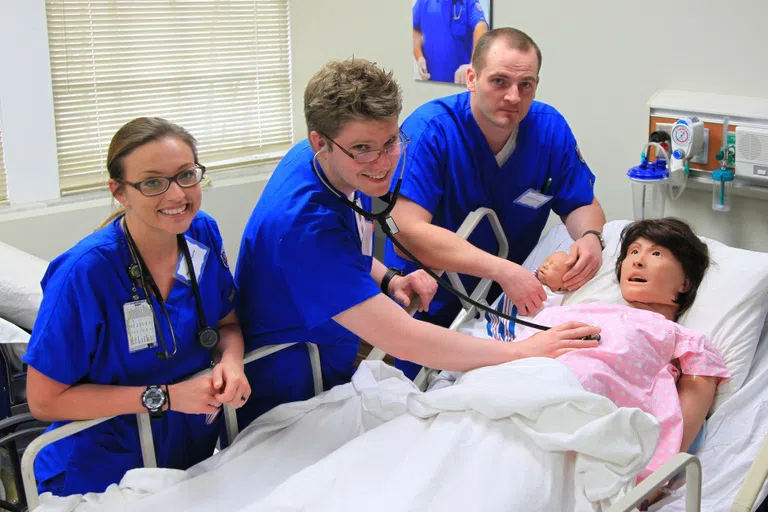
(390, 229)
(456, 16)
(206, 336)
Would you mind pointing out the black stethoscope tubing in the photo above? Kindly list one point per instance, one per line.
(390, 229)
(206, 336)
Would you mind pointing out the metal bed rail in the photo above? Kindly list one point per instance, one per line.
(478, 294)
(144, 423)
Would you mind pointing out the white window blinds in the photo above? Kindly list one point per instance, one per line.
(3, 185)
(220, 69)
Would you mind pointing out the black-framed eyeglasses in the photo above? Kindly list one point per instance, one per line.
(368, 157)
(160, 184)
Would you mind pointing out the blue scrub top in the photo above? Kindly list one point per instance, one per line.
(80, 337)
(300, 264)
(451, 171)
(447, 28)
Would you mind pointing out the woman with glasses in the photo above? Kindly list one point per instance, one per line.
(128, 313)
(306, 271)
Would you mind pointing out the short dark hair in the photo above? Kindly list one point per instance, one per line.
(676, 236)
(516, 39)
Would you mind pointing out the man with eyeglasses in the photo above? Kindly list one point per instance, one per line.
(306, 272)
(494, 147)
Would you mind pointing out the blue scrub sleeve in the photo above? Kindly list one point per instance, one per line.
(417, 14)
(574, 186)
(65, 333)
(225, 281)
(425, 167)
(476, 15)
(325, 271)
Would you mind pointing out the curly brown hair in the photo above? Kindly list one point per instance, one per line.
(352, 89)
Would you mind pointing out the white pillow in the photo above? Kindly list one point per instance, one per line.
(16, 339)
(730, 306)
(20, 291)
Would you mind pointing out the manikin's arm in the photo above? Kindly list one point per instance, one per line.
(697, 394)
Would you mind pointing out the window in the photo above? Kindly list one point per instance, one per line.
(219, 68)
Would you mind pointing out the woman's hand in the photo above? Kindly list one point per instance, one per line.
(231, 383)
(194, 396)
(559, 340)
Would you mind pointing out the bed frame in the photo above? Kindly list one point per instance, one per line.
(744, 501)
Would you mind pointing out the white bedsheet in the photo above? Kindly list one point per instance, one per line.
(520, 436)
(497, 440)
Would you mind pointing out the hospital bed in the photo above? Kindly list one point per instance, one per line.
(20, 297)
(731, 466)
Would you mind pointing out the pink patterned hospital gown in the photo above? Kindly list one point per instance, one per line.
(632, 365)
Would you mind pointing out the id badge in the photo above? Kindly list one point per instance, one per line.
(533, 199)
(199, 254)
(140, 325)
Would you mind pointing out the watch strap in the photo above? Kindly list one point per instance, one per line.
(388, 276)
(598, 234)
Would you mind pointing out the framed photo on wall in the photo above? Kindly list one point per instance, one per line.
(444, 34)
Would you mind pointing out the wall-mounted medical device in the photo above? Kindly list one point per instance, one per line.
(717, 139)
(752, 152)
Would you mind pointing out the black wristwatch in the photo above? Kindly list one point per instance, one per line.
(598, 234)
(154, 398)
(388, 276)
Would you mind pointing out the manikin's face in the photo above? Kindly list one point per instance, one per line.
(651, 274)
(552, 270)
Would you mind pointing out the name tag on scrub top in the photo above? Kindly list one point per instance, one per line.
(533, 199)
(199, 254)
(140, 325)
(365, 230)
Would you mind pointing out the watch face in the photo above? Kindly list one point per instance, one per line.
(153, 398)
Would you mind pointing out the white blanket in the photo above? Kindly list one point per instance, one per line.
(520, 436)
(275, 446)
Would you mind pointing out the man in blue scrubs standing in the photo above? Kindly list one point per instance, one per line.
(306, 272)
(495, 147)
(444, 33)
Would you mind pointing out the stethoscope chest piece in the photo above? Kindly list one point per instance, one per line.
(208, 337)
